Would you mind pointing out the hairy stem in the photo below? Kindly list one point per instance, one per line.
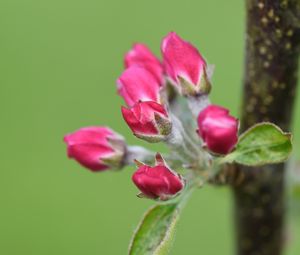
(271, 64)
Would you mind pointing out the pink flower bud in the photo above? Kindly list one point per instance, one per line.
(158, 182)
(184, 65)
(96, 148)
(218, 129)
(141, 56)
(148, 120)
(137, 84)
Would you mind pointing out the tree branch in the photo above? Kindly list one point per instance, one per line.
(271, 64)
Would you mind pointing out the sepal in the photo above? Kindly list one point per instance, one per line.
(150, 138)
(164, 125)
(189, 89)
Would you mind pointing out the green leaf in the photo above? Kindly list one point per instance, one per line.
(155, 232)
(264, 143)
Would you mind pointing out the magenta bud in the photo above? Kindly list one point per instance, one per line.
(218, 129)
(148, 120)
(184, 66)
(96, 148)
(158, 182)
(141, 56)
(137, 84)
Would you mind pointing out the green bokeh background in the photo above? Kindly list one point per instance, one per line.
(59, 60)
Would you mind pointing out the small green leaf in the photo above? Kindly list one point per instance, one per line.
(264, 143)
(155, 232)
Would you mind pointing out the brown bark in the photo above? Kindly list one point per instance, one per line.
(271, 65)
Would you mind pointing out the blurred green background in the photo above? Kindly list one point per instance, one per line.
(59, 60)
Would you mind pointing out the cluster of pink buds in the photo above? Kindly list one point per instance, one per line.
(194, 130)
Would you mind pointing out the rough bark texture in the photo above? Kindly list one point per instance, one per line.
(272, 53)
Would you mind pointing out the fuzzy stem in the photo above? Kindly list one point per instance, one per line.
(198, 103)
(146, 156)
(140, 153)
(179, 142)
(271, 64)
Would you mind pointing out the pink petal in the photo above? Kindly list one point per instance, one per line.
(181, 58)
(141, 56)
(218, 129)
(158, 181)
(85, 135)
(137, 84)
(89, 155)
